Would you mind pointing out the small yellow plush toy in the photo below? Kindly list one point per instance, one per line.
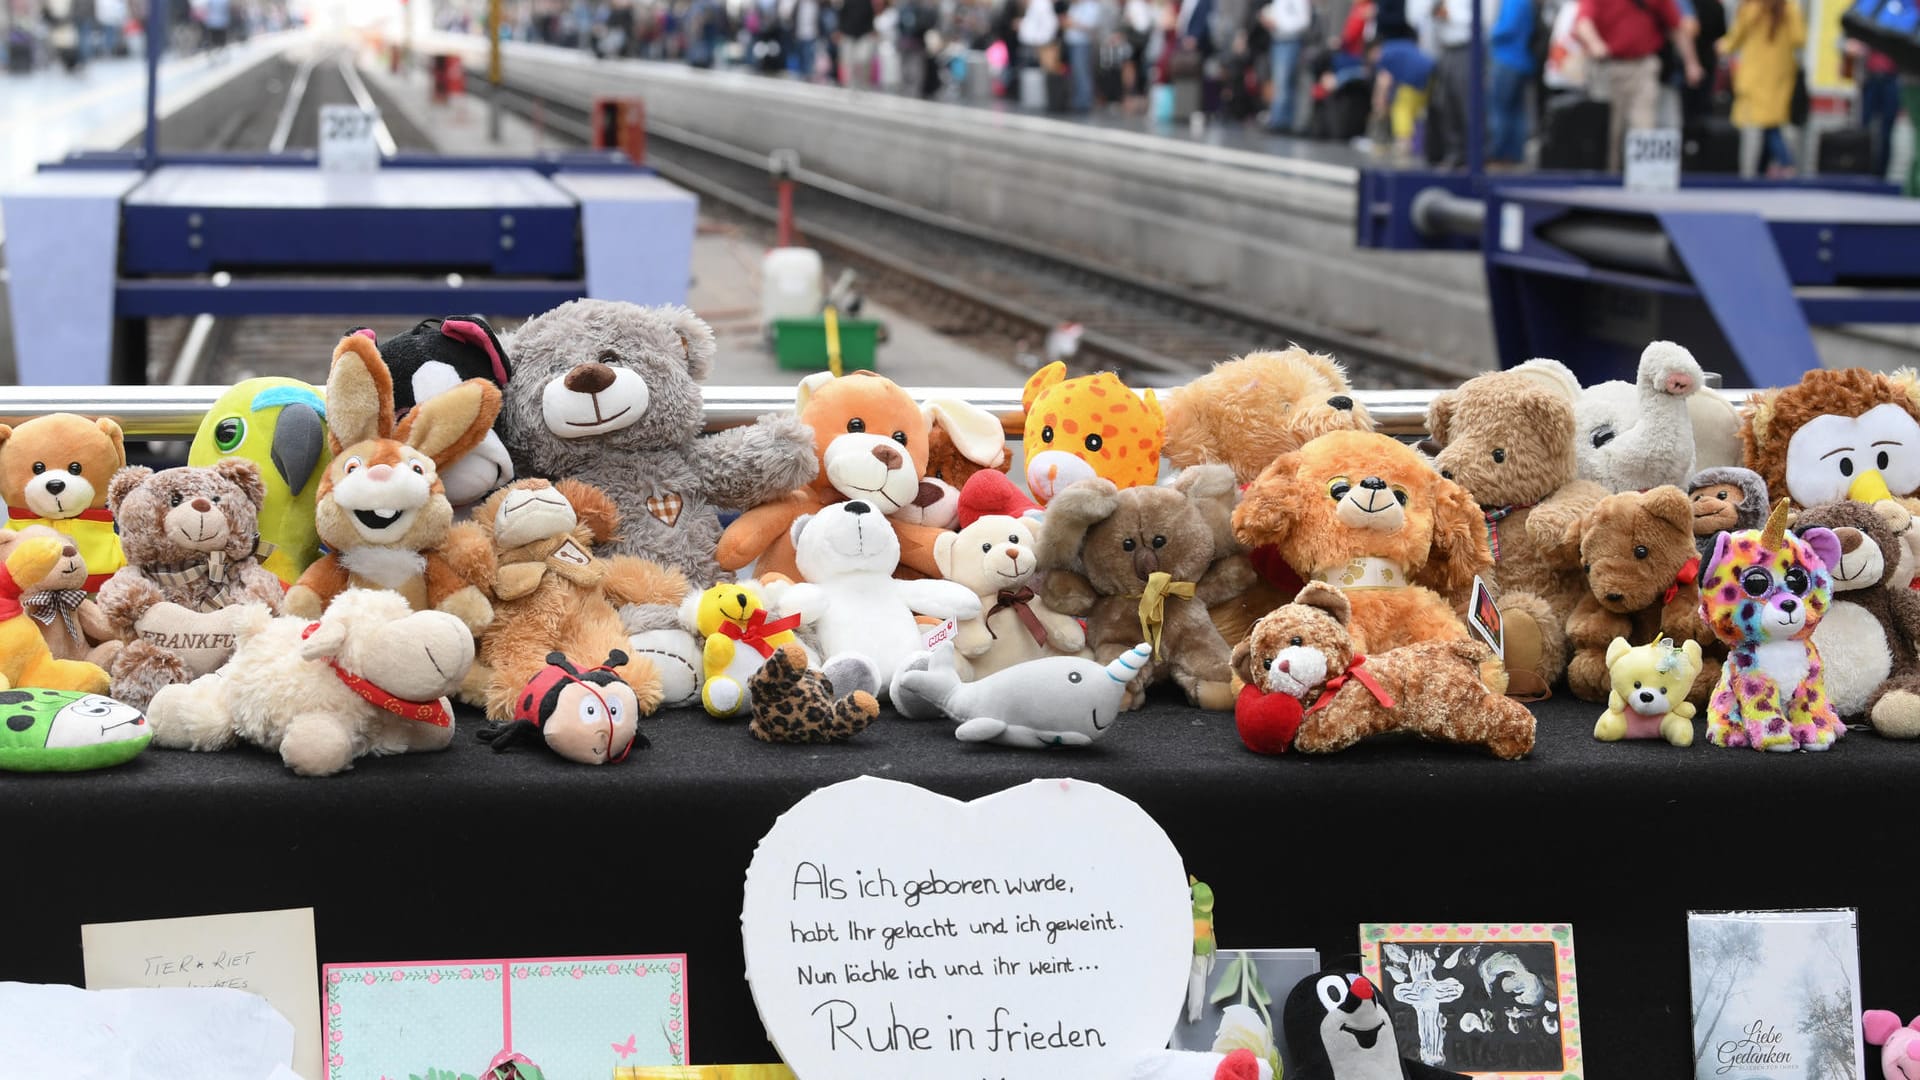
(1091, 426)
(1650, 686)
(24, 657)
(740, 634)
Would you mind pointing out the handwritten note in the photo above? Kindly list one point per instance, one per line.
(1040, 932)
(269, 953)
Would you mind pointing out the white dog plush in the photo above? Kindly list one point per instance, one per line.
(371, 677)
(848, 552)
(995, 558)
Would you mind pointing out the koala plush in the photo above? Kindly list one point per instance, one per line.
(193, 565)
(996, 557)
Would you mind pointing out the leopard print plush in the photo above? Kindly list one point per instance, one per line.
(796, 705)
(1763, 594)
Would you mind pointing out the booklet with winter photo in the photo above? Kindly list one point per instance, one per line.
(1776, 994)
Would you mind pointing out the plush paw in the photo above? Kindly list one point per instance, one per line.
(852, 673)
(1212, 696)
(316, 745)
(1611, 728)
(470, 606)
(723, 697)
(1897, 715)
(1677, 729)
(676, 657)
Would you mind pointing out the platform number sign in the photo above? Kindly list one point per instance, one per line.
(1653, 160)
(347, 139)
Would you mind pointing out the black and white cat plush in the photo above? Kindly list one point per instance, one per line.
(434, 357)
(1338, 1029)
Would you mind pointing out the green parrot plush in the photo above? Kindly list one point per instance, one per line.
(67, 731)
(280, 425)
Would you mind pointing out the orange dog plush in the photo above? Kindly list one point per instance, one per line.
(1370, 516)
(872, 441)
(1086, 427)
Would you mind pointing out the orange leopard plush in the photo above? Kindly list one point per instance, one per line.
(1370, 516)
(1077, 429)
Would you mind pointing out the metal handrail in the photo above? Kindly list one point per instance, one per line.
(166, 412)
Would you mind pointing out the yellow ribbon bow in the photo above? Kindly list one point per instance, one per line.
(1153, 604)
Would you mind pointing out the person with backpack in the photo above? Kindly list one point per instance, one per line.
(1286, 22)
(1512, 56)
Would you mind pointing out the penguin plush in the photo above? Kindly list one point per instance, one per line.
(435, 356)
(1338, 1029)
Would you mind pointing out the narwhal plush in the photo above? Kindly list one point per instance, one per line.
(1052, 701)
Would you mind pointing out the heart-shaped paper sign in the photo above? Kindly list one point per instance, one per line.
(1040, 932)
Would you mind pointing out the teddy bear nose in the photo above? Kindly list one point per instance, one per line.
(741, 599)
(1013, 554)
(201, 506)
(589, 378)
(56, 485)
(1286, 665)
(1646, 696)
(69, 551)
(1788, 605)
(888, 456)
(1850, 540)
(1340, 401)
(1614, 597)
(857, 507)
(1374, 483)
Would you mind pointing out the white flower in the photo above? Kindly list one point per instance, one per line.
(1242, 1028)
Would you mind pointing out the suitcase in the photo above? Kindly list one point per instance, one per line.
(1575, 135)
(1712, 146)
(1846, 152)
(1342, 114)
(1033, 88)
(1059, 93)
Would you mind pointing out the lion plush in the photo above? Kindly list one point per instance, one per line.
(1837, 434)
(1147, 562)
(1434, 689)
(1360, 511)
(529, 548)
(1642, 584)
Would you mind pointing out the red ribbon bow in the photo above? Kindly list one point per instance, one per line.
(1021, 601)
(1360, 674)
(425, 712)
(1689, 575)
(755, 634)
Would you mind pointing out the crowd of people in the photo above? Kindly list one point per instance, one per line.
(70, 33)
(1391, 75)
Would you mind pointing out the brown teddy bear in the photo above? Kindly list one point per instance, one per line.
(1362, 512)
(54, 471)
(193, 564)
(1433, 689)
(1507, 438)
(1245, 413)
(1147, 562)
(1643, 584)
(69, 618)
(529, 548)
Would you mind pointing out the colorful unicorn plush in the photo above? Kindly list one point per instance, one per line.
(1763, 593)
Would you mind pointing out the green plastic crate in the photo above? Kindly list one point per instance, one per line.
(801, 344)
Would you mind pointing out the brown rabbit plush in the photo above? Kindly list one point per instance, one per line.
(381, 509)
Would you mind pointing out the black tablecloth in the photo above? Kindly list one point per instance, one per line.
(471, 853)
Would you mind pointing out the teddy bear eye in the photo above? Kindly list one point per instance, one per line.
(1499, 456)
(39, 467)
(73, 467)
(1094, 443)
(1797, 581)
(1756, 582)
(1400, 495)
(215, 498)
(1046, 434)
(986, 547)
(1636, 686)
(1159, 541)
(1295, 640)
(1013, 539)
(174, 499)
(1127, 544)
(1640, 551)
(856, 425)
(1337, 488)
(900, 437)
(1269, 664)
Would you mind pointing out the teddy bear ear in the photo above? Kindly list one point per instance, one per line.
(1268, 506)
(245, 475)
(807, 388)
(1671, 507)
(1242, 662)
(1879, 1026)
(696, 341)
(1152, 403)
(799, 526)
(1616, 649)
(123, 483)
(115, 436)
(1319, 594)
(975, 432)
(1039, 382)
(943, 553)
(593, 507)
(1440, 417)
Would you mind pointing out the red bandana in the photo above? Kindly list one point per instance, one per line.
(426, 712)
(1688, 575)
(755, 634)
(1021, 601)
(1363, 676)
(98, 513)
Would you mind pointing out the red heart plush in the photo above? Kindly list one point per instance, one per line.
(1241, 1064)
(1267, 722)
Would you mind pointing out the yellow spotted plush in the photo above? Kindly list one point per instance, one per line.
(1091, 426)
(739, 635)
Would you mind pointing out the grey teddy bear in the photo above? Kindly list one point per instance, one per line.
(609, 393)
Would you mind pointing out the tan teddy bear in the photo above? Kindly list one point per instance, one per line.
(70, 619)
(997, 558)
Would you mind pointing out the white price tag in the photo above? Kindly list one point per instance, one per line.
(346, 139)
(1513, 224)
(1653, 160)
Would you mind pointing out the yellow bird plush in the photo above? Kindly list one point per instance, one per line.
(280, 425)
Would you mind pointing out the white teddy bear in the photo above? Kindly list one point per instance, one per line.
(848, 552)
(995, 558)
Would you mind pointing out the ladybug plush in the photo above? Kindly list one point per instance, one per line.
(587, 716)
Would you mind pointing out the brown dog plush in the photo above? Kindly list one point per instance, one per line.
(1366, 514)
(1643, 575)
(1146, 563)
(70, 620)
(1433, 689)
(530, 548)
(958, 445)
(1507, 438)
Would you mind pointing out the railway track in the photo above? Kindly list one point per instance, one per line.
(1146, 329)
